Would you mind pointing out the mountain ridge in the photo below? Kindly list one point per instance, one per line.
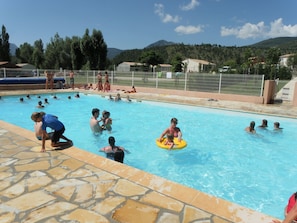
(279, 42)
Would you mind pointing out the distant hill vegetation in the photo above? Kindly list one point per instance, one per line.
(112, 52)
(280, 42)
(220, 55)
(160, 43)
(214, 53)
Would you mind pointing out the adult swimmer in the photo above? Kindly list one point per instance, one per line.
(171, 132)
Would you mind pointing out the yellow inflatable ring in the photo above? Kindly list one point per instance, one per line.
(177, 145)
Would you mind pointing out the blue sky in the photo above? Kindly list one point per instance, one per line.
(131, 24)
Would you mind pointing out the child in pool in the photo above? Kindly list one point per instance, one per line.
(107, 121)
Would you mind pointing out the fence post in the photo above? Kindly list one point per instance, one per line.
(262, 86)
(132, 78)
(186, 79)
(4, 72)
(157, 76)
(94, 74)
(220, 83)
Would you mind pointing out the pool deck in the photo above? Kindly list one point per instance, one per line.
(72, 185)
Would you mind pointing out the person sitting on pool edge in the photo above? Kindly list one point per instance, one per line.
(114, 152)
(171, 132)
(251, 128)
(94, 123)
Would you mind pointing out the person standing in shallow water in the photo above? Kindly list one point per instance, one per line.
(251, 128)
(114, 152)
(52, 122)
(94, 123)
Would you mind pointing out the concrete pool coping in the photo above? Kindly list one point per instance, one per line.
(65, 185)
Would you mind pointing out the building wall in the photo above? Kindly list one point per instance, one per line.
(192, 66)
(123, 67)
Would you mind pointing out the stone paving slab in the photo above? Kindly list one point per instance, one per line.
(75, 186)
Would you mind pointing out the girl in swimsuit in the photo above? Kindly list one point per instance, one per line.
(114, 152)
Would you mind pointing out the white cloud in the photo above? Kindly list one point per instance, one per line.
(159, 10)
(190, 6)
(188, 29)
(277, 28)
(249, 30)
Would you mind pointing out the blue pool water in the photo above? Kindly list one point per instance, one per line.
(256, 171)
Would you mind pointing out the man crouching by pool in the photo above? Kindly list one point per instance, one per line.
(94, 123)
(52, 122)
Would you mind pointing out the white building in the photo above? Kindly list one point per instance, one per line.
(134, 66)
(129, 66)
(283, 60)
(195, 65)
(164, 67)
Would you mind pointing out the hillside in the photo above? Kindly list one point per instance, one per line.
(113, 52)
(220, 55)
(280, 42)
(160, 43)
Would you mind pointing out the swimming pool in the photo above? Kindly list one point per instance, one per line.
(256, 171)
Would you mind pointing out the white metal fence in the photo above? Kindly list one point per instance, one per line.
(242, 84)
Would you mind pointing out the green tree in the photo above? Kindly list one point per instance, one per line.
(292, 61)
(38, 54)
(177, 64)
(95, 50)
(57, 54)
(150, 59)
(65, 54)
(272, 56)
(101, 48)
(4, 45)
(24, 53)
(272, 61)
(77, 57)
